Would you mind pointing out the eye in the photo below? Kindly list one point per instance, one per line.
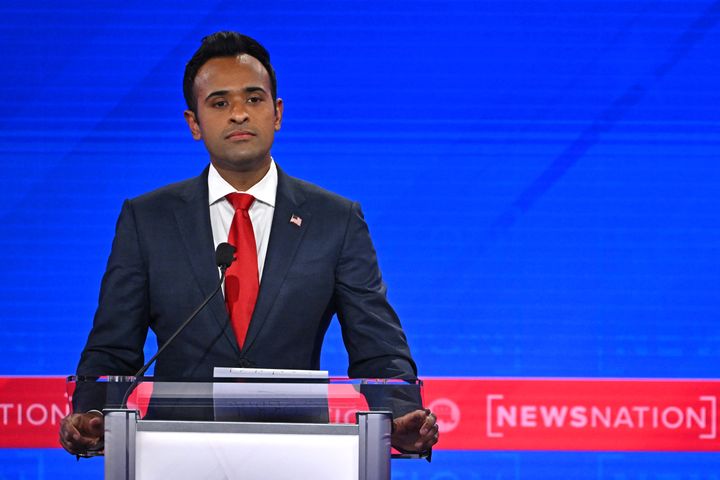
(255, 99)
(219, 104)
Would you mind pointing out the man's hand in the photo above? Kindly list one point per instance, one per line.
(415, 432)
(82, 432)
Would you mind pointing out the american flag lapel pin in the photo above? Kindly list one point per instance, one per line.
(296, 220)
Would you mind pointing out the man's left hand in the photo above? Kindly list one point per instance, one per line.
(415, 432)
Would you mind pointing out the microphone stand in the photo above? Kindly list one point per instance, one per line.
(138, 375)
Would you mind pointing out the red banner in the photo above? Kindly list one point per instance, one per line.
(476, 414)
(30, 411)
(568, 414)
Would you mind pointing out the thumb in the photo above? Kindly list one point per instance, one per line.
(96, 426)
(90, 425)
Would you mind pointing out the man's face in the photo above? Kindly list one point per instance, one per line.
(236, 117)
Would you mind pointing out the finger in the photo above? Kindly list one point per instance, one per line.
(68, 445)
(426, 443)
(78, 433)
(431, 418)
(428, 439)
(68, 430)
(64, 444)
(410, 422)
(81, 440)
(429, 423)
(416, 417)
(75, 433)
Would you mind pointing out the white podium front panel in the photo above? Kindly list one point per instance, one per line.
(220, 455)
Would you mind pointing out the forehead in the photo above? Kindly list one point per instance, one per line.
(231, 73)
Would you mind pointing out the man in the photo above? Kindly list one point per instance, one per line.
(304, 254)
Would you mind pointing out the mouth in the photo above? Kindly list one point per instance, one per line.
(237, 135)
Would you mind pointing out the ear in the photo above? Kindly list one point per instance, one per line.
(278, 113)
(192, 122)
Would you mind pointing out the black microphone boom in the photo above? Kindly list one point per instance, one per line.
(224, 256)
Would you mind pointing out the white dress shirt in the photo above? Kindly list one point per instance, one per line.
(261, 211)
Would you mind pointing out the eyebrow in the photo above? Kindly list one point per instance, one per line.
(248, 89)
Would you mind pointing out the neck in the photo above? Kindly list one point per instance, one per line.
(242, 181)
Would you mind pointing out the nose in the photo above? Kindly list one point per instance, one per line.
(238, 114)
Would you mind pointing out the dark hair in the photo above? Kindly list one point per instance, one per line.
(225, 44)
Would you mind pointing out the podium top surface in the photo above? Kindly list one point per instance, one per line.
(249, 396)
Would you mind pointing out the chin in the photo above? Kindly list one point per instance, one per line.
(245, 163)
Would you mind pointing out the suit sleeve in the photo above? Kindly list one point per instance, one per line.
(375, 341)
(115, 343)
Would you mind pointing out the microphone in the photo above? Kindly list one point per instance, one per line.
(224, 256)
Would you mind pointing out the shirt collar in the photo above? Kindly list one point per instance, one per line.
(264, 191)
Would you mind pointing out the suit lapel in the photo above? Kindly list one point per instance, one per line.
(285, 237)
(193, 219)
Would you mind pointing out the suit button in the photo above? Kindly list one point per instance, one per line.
(245, 363)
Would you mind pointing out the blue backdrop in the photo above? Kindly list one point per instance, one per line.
(540, 178)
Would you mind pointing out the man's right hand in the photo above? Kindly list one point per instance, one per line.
(82, 432)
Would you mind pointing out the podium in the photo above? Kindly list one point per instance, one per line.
(258, 428)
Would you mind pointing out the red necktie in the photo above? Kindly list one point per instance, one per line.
(241, 281)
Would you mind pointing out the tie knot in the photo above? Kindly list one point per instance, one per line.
(240, 201)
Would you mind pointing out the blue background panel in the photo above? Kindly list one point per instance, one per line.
(540, 179)
(447, 465)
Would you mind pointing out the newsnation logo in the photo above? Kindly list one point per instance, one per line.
(700, 419)
(476, 414)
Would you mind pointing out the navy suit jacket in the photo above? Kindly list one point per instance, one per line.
(162, 266)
